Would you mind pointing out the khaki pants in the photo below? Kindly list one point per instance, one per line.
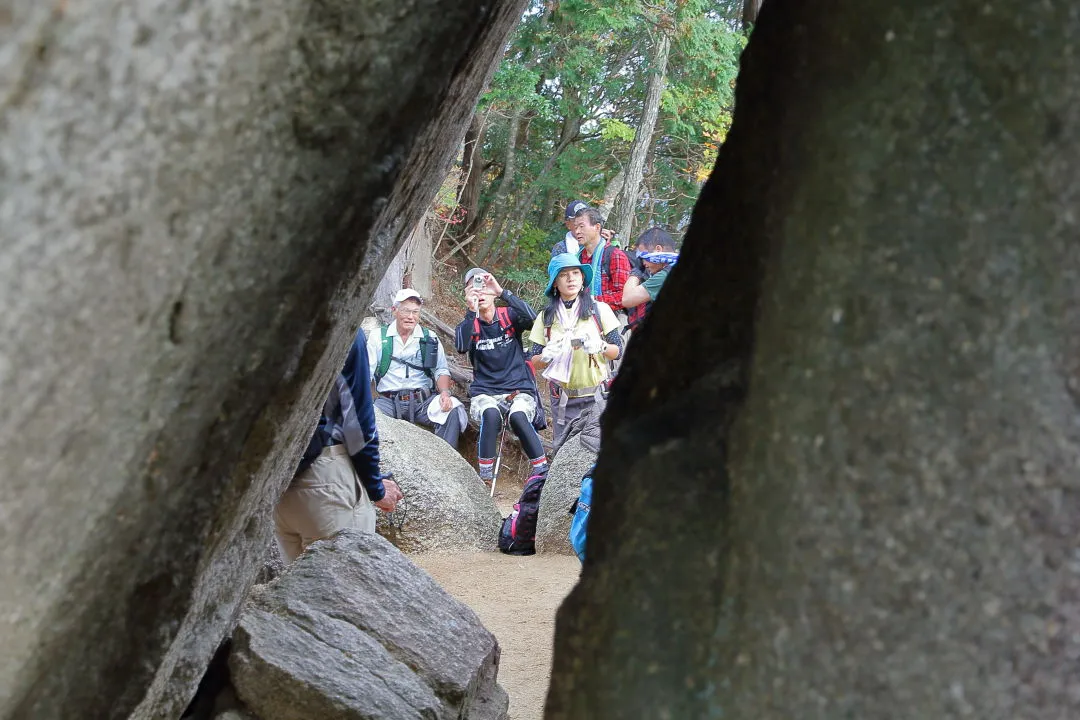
(325, 498)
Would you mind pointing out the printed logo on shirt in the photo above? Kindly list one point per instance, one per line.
(493, 343)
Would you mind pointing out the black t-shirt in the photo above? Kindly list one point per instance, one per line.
(498, 361)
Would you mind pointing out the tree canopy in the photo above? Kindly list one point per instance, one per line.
(569, 104)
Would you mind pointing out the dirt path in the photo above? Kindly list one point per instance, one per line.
(516, 598)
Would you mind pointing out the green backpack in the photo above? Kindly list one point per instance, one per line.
(388, 353)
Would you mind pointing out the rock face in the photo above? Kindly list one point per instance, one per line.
(355, 631)
(447, 506)
(196, 200)
(561, 489)
(871, 499)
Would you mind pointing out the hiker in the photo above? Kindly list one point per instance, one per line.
(407, 361)
(502, 380)
(337, 484)
(656, 251)
(610, 266)
(573, 341)
(569, 243)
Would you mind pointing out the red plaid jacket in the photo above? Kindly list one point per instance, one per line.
(611, 283)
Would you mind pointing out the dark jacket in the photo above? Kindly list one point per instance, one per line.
(349, 419)
(498, 360)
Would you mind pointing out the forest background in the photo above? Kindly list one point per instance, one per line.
(620, 103)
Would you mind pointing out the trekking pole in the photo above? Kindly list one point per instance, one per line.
(498, 458)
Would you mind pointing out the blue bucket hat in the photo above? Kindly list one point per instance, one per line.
(562, 262)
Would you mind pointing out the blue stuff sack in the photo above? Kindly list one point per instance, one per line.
(579, 525)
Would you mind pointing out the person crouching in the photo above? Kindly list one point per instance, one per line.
(573, 341)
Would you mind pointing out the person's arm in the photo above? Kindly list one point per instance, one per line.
(634, 293)
(535, 340)
(614, 348)
(463, 332)
(653, 285)
(374, 352)
(612, 342)
(358, 419)
(521, 313)
(443, 381)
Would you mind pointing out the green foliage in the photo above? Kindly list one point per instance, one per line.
(528, 283)
(612, 129)
(575, 75)
(531, 248)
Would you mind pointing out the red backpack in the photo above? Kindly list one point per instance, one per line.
(502, 314)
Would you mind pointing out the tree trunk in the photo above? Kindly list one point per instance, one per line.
(517, 213)
(612, 191)
(472, 163)
(499, 202)
(750, 10)
(627, 208)
(549, 208)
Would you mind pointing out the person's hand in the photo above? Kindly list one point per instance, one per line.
(594, 345)
(472, 298)
(607, 233)
(444, 401)
(492, 285)
(391, 498)
(553, 349)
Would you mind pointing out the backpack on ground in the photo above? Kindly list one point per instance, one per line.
(579, 524)
(518, 533)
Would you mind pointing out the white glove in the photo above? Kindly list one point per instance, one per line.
(593, 345)
(553, 350)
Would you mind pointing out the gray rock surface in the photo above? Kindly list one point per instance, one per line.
(446, 506)
(561, 489)
(354, 630)
(196, 200)
(869, 500)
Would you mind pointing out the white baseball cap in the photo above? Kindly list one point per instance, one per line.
(407, 294)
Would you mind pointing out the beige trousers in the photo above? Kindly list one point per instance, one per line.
(325, 498)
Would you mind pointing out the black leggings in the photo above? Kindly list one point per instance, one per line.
(491, 424)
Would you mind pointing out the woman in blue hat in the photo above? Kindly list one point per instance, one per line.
(573, 341)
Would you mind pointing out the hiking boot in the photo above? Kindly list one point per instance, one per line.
(486, 472)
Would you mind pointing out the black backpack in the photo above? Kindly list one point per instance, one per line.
(519, 527)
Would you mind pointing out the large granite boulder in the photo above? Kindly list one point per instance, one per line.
(840, 467)
(355, 631)
(196, 201)
(561, 489)
(446, 506)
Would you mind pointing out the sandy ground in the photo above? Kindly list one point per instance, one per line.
(516, 598)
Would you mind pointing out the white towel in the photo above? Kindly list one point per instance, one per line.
(558, 371)
(438, 416)
(572, 245)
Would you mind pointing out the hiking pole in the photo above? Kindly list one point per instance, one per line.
(498, 458)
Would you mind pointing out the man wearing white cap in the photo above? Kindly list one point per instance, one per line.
(407, 363)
